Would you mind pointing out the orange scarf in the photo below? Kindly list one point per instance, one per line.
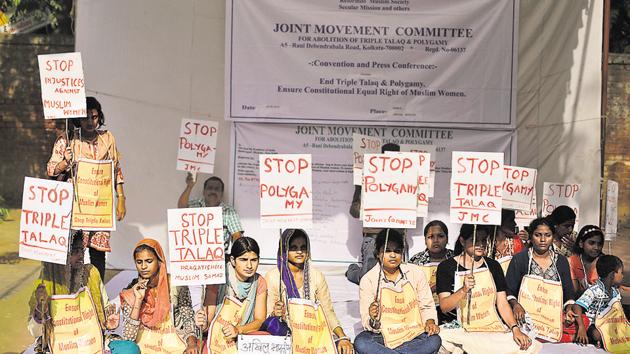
(157, 303)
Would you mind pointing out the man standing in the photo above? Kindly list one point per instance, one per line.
(213, 189)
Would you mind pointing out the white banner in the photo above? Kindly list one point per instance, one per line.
(45, 220)
(390, 190)
(419, 62)
(476, 187)
(556, 194)
(63, 86)
(197, 145)
(519, 187)
(335, 235)
(195, 246)
(524, 217)
(286, 193)
(612, 196)
(362, 144)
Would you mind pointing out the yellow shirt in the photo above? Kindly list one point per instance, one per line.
(319, 293)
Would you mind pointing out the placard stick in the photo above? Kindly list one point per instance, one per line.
(472, 269)
(380, 274)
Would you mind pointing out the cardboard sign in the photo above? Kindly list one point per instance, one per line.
(45, 220)
(432, 151)
(195, 246)
(197, 145)
(230, 313)
(309, 328)
(542, 300)
(75, 328)
(400, 315)
(430, 273)
(519, 187)
(476, 187)
(423, 161)
(286, 196)
(390, 190)
(160, 340)
(556, 194)
(63, 87)
(524, 217)
(612, 196)
(483, 314)
(504, 262)
(362, 144)
(93, 207)
(264, 344)
(614, 328)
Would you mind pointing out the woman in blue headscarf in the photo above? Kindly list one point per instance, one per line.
(301, 281)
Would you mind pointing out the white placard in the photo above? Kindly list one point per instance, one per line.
(390, 190)
(286, 194)
(63, 85)
(556, 194)
(431, 150)
(612, 196)
(424, 174)
(195, 246)
(264, 344)
(197, 145)
(406, 62)
(362, 144)
(524, 217)
(519, 187)
(476, 187)
(45, 220)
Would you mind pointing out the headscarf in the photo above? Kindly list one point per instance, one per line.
(283, 265)
(243, 290)
(67, 279)
(157, 303)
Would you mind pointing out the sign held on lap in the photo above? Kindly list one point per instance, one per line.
(197, 145)
(45, 220)
(476, 187)
(286, 195)
(63, 86)
(390, 190)
(195, 246)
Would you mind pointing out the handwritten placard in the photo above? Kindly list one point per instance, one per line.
(75, 325)
(423, 161)
(195, 246)
(524, 217)
(63, 86)
(362, 144)
(432, 151)
(519, 187)
(612, 197)
(263, 344)
(197, 145)
(45, 220)
(286, 196)
(93, 207)
(556, 194)
(390, 190)
(476, 187)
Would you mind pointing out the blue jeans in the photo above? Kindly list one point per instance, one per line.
(372, 343)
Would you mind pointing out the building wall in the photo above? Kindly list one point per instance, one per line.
(25, 137)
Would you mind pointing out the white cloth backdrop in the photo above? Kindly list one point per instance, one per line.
(152, 62)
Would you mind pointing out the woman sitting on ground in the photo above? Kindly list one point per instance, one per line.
(482, 293)
(587, 248)
(563, 218)
(245, 285)
(395, 302)
(503, 243)
(59, 279)
(297, 279)
(545, 268)
(151, 308)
